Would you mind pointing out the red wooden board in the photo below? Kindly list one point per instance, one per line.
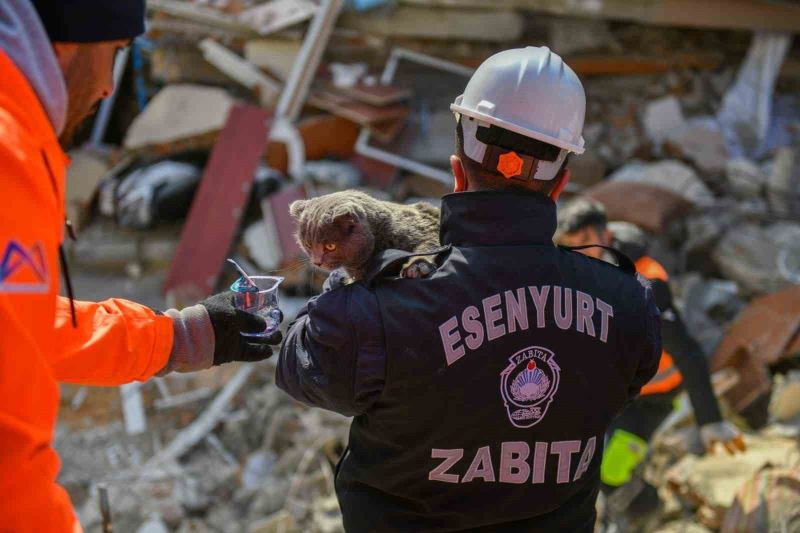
(218, 204)
(284, 224)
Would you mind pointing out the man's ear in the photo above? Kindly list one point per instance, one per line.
(459, 176)
(562, 183)
(296, 208)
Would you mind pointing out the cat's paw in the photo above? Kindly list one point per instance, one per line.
(419, 267)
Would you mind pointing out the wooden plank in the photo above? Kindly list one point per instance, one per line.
(277, 15)
(218, 204)
(721, 14)
(360, 113)
(378, 95)
(440, 24)
(277, 214)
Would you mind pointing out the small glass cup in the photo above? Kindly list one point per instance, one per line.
(261, 300)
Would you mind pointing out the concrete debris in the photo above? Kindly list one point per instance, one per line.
(785, 403)
(276, 56)
(241, 70)
(84, 173)
(750, 254)
(710, 483)
(663, 117)
(701, 142)
(276, 15)
(648, 206)
(745, 178)
(783, 185)
(770, 501)
(670, 175)
(179, 112)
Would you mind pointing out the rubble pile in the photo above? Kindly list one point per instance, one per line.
(229, 110)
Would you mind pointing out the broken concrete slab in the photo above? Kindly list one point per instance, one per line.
(241, 70)
(764, 328)
(273, 55)
(783, 185)
(276, 15)
(181, 62)
(670, 175)
(702, 143)
(767, 502)
(438, 24)
(84, 173)
(179, 112)
(586, 169)
(710, 483)
(785, 403)
(749, 254)
(729, 14)
(648, 206)
(571, 35)
(745, 178)
(663, 117)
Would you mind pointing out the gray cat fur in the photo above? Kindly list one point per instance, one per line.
(411, 228)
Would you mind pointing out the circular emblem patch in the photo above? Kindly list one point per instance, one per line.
(528, 385)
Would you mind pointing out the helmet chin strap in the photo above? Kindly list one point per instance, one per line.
(501, 160)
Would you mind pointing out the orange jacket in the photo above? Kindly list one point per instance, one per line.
(668, 377)
(115, 342)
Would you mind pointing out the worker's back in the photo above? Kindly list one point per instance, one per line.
(503, 370)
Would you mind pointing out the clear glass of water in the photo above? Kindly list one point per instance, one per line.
(261, 300)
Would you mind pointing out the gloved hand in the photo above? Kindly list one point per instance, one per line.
(208, 334)
(228, 322)
(723, 433)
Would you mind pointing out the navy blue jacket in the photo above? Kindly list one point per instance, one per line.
(482, 393)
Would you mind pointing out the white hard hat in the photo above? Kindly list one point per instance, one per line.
(528, 91)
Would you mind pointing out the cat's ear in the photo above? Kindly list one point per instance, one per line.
(297, 207)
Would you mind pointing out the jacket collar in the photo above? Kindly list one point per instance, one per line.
(497, 217)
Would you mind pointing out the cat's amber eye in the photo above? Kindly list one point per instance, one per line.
(329, 247)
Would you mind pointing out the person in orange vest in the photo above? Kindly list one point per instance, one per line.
(583, 222)
(56, 61)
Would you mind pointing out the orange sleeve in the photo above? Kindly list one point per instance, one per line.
(115, 342)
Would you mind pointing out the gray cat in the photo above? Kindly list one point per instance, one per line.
(346, 229)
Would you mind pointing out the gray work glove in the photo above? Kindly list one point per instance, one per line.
(208, 334)
(723, 433)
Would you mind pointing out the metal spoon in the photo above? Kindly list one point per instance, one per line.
(243, 273)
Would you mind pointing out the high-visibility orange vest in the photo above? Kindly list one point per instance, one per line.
(115, 341)
(668, 377)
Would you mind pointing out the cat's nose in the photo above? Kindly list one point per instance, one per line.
(317, 262)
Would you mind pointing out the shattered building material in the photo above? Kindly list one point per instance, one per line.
(275, 15)
(710, 483)
(218, 204)
(276, 56)
(783, 184)
(648, 206)
(770, 501)
(750, 254)
(440, 24)
(756, 340)
(179, 112)
(84, 173)
(663, 117)
(240, 70)
(669, 175)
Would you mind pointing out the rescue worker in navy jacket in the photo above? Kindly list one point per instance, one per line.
(584, 221)
(482, 393)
